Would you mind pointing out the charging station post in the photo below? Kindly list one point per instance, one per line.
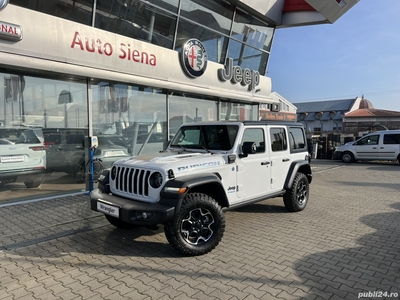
(94, 143)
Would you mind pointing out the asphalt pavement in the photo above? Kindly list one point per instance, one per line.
(344, 245)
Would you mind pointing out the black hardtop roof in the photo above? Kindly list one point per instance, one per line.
(245, 122)
(272, 122)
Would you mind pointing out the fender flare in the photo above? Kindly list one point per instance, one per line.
(296, 166)
(194, 183)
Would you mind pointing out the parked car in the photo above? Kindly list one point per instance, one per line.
(24, 160)
(378, 145)
(66, 152)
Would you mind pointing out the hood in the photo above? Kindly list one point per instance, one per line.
(179, 163)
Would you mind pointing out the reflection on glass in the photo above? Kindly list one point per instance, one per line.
(186, 109)
(77, 11)
(238, 111)
(45, 122)
(216, 15)
(40, 102)
(135, 113)
(139, 20)
(248, 57)
(216, 44)
(251, 31)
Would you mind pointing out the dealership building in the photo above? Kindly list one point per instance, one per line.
(133, 69)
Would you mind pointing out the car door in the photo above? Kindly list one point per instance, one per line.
(367, 147)
(280, 156)
(253, 171)
(389, 148)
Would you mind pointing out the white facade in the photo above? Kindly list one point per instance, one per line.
(69, 64)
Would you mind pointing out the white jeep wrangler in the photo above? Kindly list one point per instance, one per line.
(207, 168)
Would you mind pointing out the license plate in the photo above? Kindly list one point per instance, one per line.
(9, 159)
(108, 209)
(115, 153)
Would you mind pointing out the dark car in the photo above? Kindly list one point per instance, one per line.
(66, 152)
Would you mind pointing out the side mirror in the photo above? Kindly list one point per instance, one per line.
(249, 148)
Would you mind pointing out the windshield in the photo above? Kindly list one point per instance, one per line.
(211, 137)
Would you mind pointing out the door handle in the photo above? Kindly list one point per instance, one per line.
(264, 163)
(285, 159)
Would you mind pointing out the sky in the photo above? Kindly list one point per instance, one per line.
(358, 55)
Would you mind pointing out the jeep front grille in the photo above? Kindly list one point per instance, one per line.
(132, 180)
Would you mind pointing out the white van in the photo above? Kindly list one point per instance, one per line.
(378, 145)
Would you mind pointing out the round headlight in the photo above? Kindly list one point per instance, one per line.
(156, 180)
(113, 173)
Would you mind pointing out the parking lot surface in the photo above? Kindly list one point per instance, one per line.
(344, 245)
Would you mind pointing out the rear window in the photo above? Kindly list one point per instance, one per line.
(391, 139)
(30, 137)
(297, 138)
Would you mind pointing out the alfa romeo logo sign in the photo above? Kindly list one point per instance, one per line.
(194, 58)
(3, 3)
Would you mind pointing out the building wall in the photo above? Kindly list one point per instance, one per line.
(65, 69)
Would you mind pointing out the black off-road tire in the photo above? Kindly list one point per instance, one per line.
(296, 198)
(119, 223)
(198, 227)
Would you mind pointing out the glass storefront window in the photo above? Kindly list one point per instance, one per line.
(251, 31)
(138, 20)
(215, 43)
(41, 102)
(136, 114)
(216, 15)
(248, 57)
(186, 109)
(77, 11)
(43, 123)
(170, 5)
(238, 112)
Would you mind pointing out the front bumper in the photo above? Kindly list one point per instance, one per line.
(131, 211)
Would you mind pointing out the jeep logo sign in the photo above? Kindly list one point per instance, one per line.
(194, 58)
(235, 74)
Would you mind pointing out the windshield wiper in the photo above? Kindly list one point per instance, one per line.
(183, 148)
(206, 149)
